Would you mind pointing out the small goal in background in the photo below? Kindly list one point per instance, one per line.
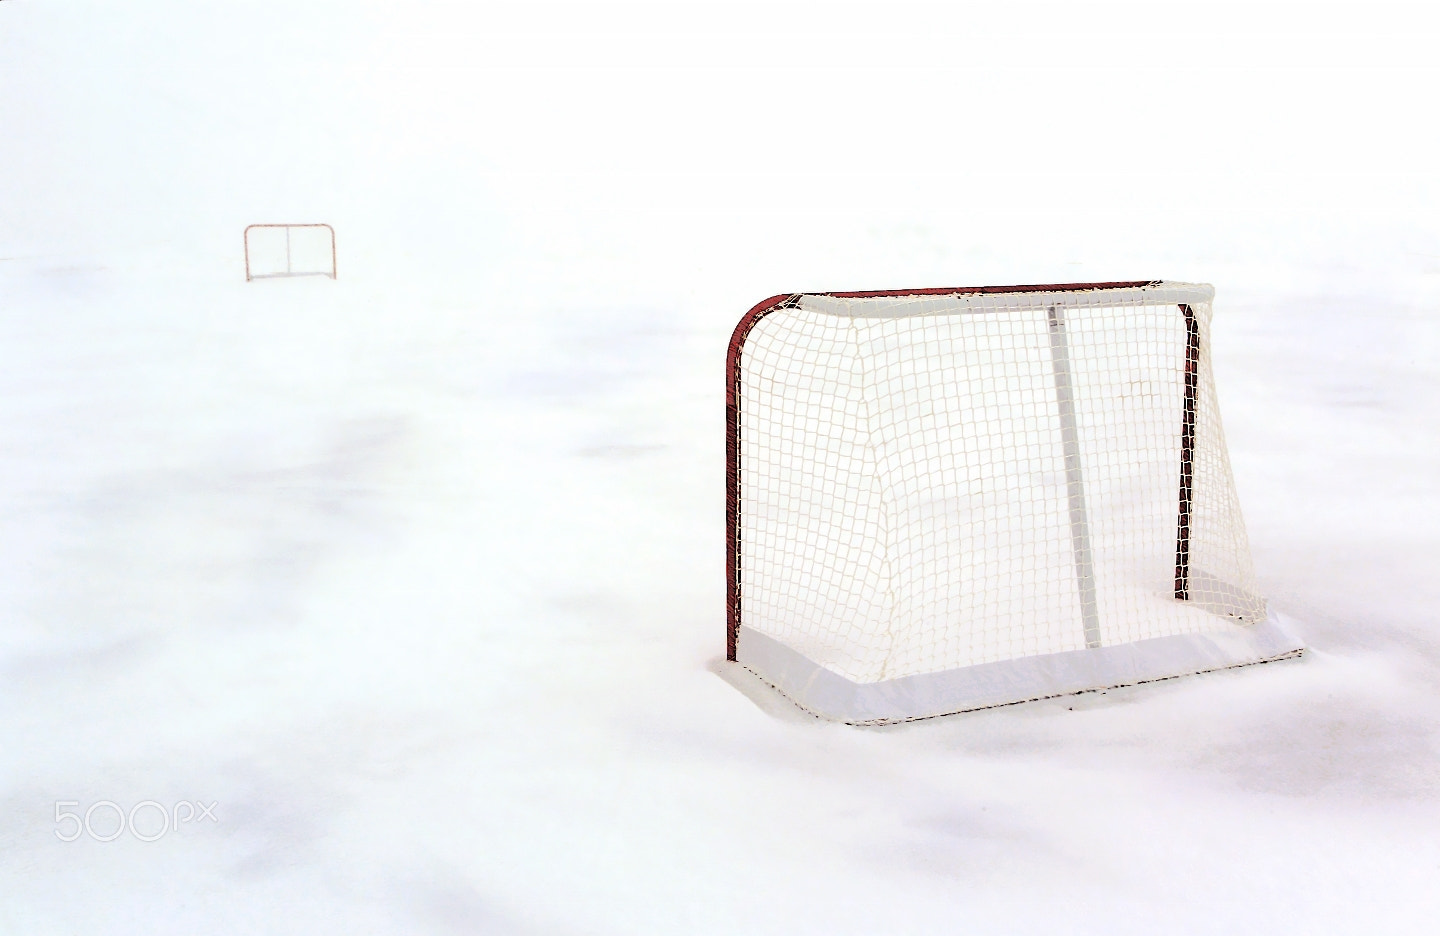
(274, 250)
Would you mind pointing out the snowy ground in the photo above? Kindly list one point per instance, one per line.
(417, 575)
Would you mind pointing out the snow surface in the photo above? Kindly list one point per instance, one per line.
(417, 575)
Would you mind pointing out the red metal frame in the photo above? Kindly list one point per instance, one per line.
(1187, 454)
(774, 303)
(984, 290)
(250, 227)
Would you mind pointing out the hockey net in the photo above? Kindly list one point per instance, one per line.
(278, 250)
(951, 481)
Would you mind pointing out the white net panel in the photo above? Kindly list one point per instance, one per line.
(934, 482)
(273, 250)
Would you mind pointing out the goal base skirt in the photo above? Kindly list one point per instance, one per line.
(830, 695)
(260, 276)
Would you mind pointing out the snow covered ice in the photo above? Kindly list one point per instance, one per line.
(417, 575)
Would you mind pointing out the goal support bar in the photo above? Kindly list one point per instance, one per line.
(1074, 479)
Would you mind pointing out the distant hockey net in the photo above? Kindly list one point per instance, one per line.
(279, 250)
(945, 500)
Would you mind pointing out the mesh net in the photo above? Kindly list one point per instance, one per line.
(934, 482)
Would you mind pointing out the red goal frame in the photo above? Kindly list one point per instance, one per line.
(789, 300)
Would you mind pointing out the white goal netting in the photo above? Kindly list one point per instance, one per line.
(934, 482)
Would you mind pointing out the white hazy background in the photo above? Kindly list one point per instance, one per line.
(418, 574)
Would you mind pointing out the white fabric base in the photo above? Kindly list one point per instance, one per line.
(831, 695)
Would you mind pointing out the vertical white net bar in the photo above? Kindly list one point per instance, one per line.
(1074, 475)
